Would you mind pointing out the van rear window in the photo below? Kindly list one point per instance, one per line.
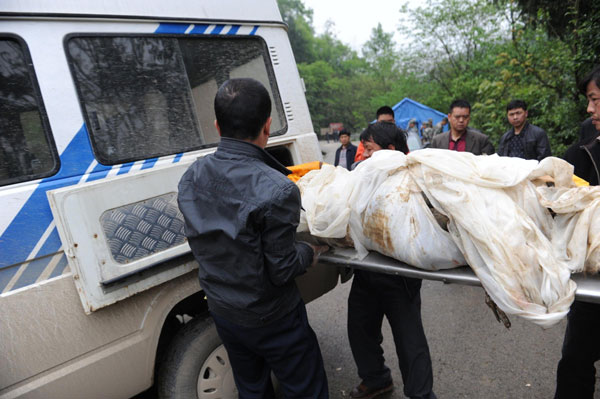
(149, 96)
(27, 151)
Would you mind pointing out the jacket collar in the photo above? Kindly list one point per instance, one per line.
(523, 131)
(469, 143)
(244, 148)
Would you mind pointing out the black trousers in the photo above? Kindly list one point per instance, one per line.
(372, 296)
(287, 346)
(576, 374)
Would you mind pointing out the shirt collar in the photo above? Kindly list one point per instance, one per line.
(462, 136)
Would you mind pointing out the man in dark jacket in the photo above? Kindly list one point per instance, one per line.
(241, 214)
(524, 140)
(344, 156)
(576, 374)
(398, 298)
(587, 130)
(461, 137)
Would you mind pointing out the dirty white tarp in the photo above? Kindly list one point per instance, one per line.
(498, 221)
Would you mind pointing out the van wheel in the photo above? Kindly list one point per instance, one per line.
(196, 365)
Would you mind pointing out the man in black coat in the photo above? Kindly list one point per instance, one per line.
(241, 213)
(576, 374)
(587, 130)
(344, 156)
(524, 140)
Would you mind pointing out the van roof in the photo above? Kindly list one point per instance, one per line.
(226, 10)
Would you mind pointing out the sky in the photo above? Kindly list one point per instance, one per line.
(354, 19)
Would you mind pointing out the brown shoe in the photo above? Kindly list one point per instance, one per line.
(364, 392)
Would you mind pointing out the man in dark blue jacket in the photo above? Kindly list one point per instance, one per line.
(344, 156)
(524, 140)
(241, 214)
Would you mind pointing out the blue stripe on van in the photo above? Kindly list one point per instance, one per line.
(177, 157)
(254, 30)
(32, 272)
(234, 29)
(99, 172)
(217, 30)
(6, 275)
(199, 29)
(172, 28)
(125, 168)
(52, 244)
(148, 163)
(24, 232)
(60, 267)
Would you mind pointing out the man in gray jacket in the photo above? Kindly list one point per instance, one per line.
(241, 214)
(524, 140)
(461, 137)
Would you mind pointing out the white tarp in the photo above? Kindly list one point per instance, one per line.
(499, 222)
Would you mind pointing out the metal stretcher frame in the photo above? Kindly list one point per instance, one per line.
(588, 287)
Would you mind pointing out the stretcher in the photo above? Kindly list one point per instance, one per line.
(588, 286)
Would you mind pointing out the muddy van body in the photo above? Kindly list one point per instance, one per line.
(103, 107)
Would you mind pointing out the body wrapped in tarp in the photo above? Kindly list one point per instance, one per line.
(497, 221)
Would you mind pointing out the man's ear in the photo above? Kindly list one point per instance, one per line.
(391, 147)
(218, 127)
(267, 127)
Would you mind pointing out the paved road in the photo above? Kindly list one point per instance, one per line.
(473, 355)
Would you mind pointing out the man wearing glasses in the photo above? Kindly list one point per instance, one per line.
(461, 137)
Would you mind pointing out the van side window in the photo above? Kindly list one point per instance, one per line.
(149, 96)
(27, 151)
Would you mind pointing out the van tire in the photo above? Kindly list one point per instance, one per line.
(196, 364)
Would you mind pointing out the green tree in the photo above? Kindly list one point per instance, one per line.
(301, 32)
(381, 55)
(489, 53)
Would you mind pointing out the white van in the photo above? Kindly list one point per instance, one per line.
(103, 106)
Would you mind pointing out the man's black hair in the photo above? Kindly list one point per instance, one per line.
(364, 135)
(385, 110)
(593, 76)
(344, 131)
(459, 104)
(242, 107)
(514, 104)
(384, 134)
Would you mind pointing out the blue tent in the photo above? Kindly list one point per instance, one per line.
(408, 109)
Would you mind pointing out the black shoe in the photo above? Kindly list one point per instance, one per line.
(364, 392)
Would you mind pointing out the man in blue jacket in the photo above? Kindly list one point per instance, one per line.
(344, 156)
(241, 214)
(524, 140)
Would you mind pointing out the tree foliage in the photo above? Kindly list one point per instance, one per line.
(485, 51)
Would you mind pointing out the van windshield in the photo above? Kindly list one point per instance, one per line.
(149, 96)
